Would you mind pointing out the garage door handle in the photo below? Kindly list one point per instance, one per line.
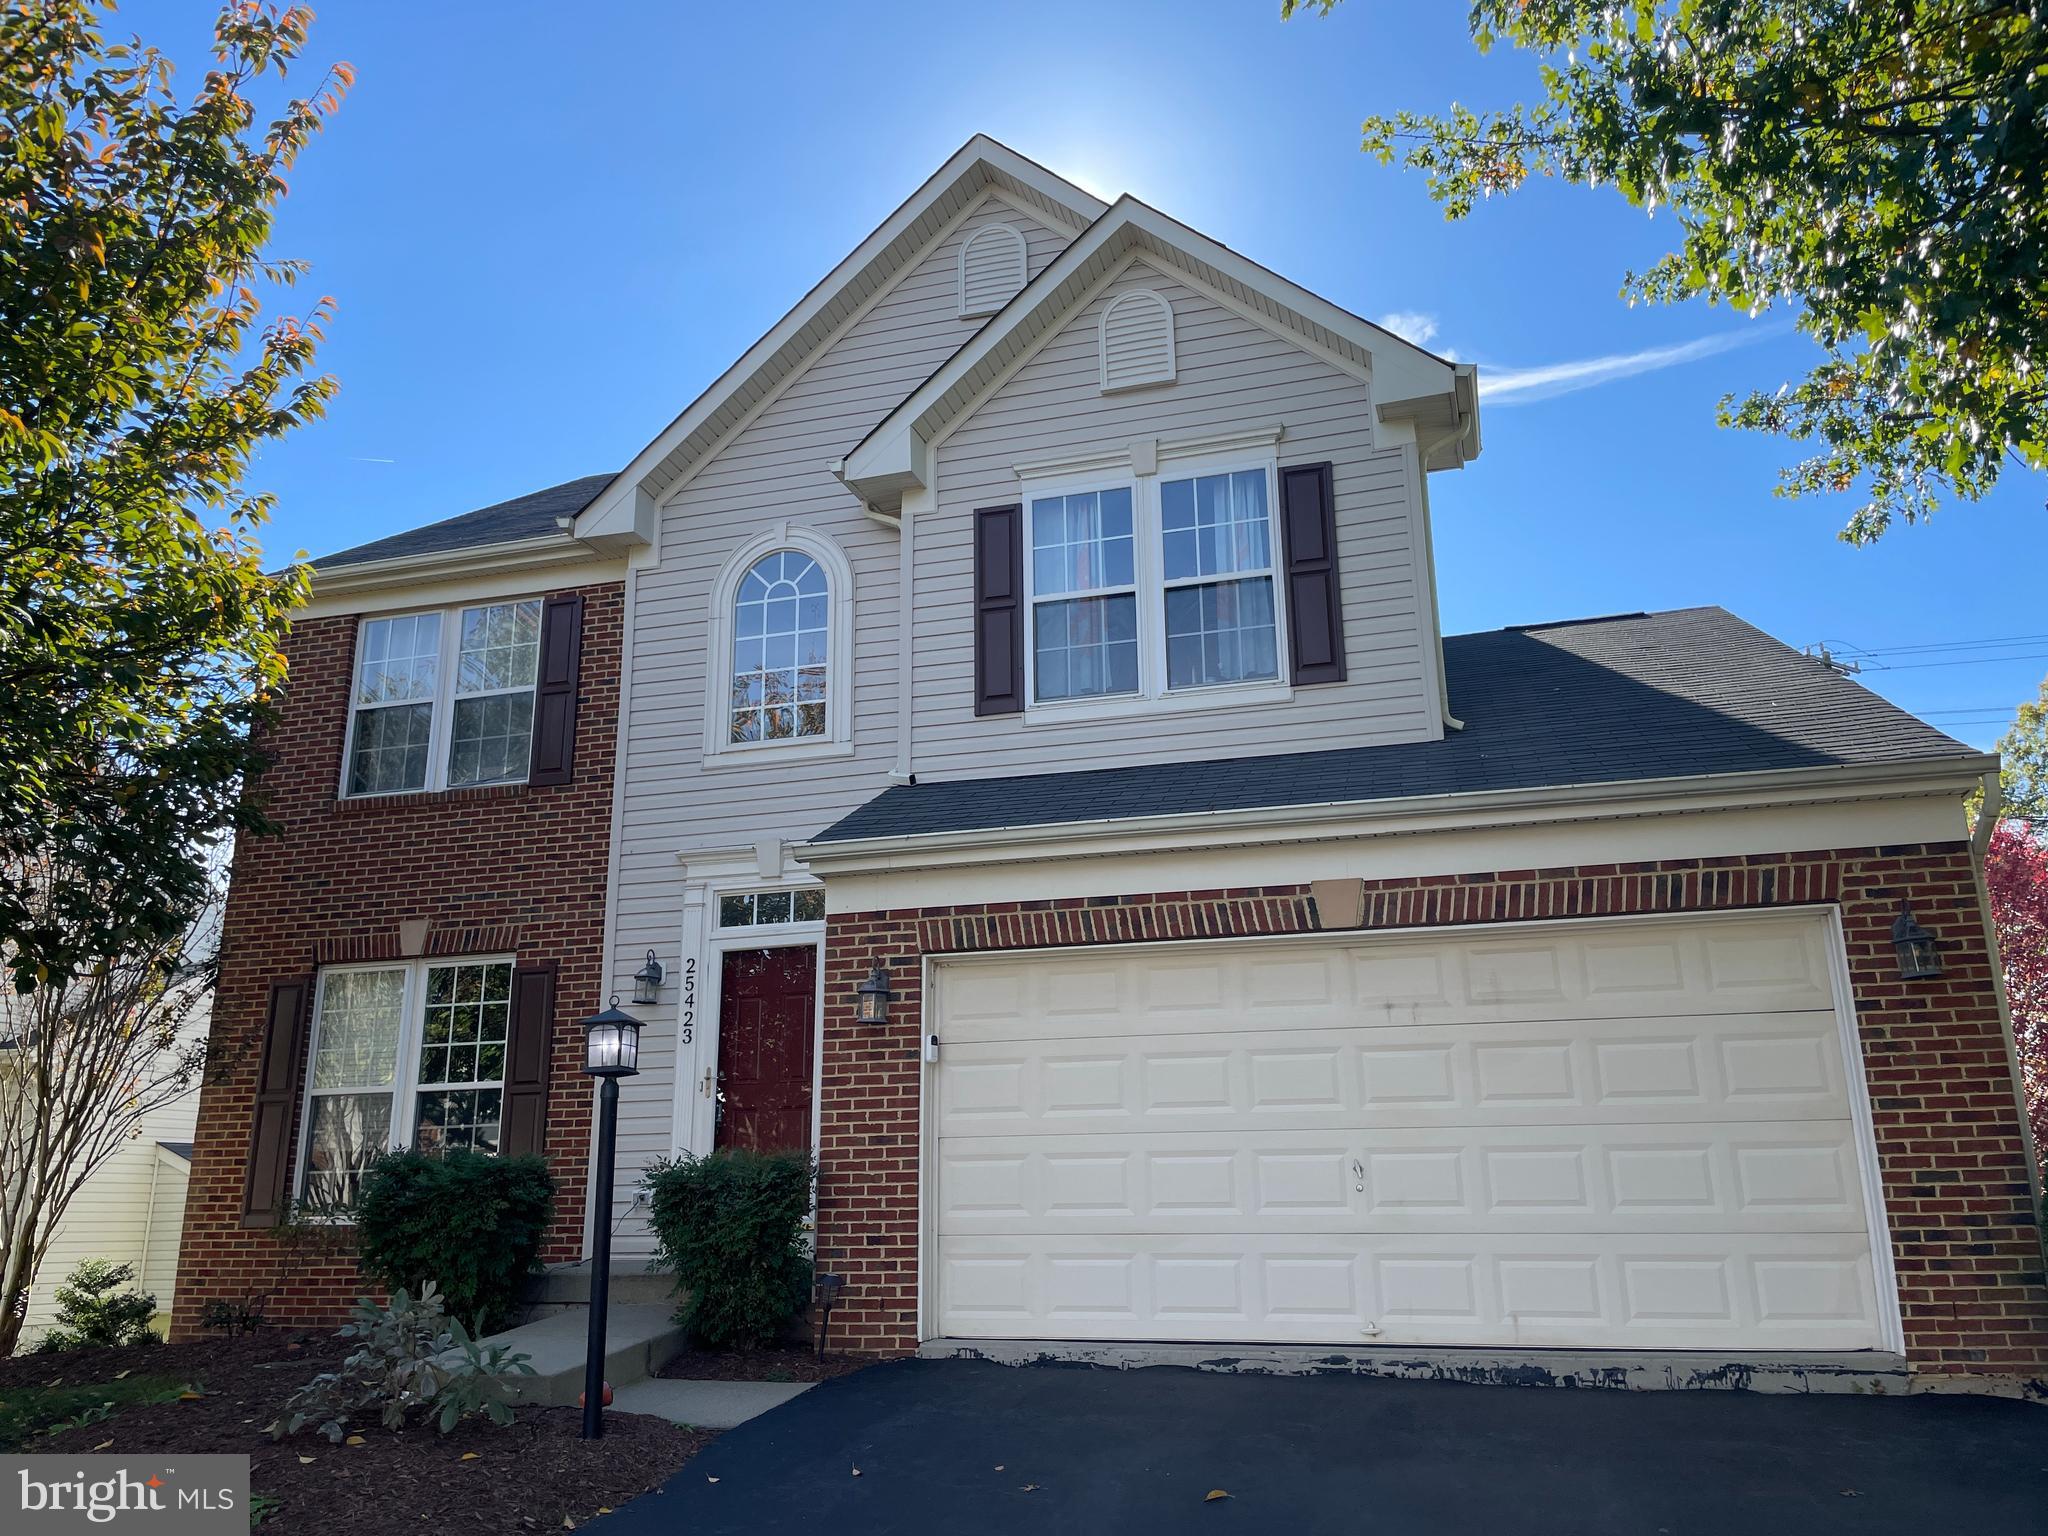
(1358, 1173)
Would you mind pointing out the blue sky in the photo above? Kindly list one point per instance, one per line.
(548, 226)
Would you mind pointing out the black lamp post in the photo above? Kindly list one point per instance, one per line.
(611, 1050)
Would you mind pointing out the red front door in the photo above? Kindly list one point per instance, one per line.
(765, 1035)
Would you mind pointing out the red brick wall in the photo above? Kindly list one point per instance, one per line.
(1951, 1149)
(504, 868)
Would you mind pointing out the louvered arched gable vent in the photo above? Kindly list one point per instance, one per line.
(991, 269)
(1137, 340)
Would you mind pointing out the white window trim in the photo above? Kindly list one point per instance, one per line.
(441, 727)
(1164, 306)
(404, 1087)
(719, 752)
(1016, 248)
(1153, 696)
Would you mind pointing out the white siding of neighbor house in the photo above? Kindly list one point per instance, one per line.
(1231, 374)
(132, 1211)
(773, 469)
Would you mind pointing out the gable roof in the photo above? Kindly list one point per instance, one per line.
(981, 164)
(531, 516)
(1635, 697)
(1408, 382)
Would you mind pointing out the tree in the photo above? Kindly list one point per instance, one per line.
(140, 638)
(2023, 767)
(139, 634)
(2016, 875)
(80, 1067)
(1881, 167)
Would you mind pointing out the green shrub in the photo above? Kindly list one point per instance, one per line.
(469, 1223)
(731, 1228)
(95, 1310)
(410, 1355)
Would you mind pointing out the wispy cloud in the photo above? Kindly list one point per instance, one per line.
(359, 459)
(1525, 386)
(1410, 325)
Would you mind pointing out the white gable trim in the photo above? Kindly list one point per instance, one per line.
(981, 162)
(1408, 382)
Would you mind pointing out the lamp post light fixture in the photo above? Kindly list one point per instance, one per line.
(611, 1050)
(647, 981)
(871, 998)
(1919, 951)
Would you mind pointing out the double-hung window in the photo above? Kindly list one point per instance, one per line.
(1164, 585)
(444, 700)
(403, 1056)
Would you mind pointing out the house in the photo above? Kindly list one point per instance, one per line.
(1036, 632)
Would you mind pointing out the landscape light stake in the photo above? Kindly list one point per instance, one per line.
(611, 1050)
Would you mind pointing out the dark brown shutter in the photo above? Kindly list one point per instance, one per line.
(529, 1045)
(1315, 601)
(998, 610)
(268, 1189)
(554, 695)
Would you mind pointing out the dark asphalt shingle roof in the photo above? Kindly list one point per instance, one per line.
(523, 517)
(1638, 696)
(178, 1149)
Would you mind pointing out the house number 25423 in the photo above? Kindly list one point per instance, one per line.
(689, 1001)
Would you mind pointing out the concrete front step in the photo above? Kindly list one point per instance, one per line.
(639, 1340)
(635, 1282)
(1870, 1372)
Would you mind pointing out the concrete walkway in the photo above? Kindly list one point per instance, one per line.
(705, 1404)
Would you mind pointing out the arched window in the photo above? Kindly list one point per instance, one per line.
(781, 650)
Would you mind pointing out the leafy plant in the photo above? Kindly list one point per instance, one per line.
(262, 1506)
(410, 1357)
(97, 1310)
(468, 1223)
(731, 1227)
(26, 1412)
(1875, 167)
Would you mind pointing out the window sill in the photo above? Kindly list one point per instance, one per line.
(357, 804)
(753, 754)
(1135, 707)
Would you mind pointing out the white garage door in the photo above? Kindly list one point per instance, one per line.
(1621, 1134)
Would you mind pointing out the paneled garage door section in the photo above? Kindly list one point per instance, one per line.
(1627, 1135)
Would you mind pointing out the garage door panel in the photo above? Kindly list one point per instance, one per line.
(1629, 1135)
(1762, 966)
(1640, 1292)
(1704, 1067)
(1766, 1176)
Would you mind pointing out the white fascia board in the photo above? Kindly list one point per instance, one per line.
(542, 552)
(882, 463)
(979, 158)
(1367, 818)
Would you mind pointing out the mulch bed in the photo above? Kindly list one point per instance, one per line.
(533, 1475)
(760, 1365)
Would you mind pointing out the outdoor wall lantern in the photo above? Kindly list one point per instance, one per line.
(1919, 954)
(647, 981)
(611, 1050)
(871, 998)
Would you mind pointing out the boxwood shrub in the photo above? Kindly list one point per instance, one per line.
(730, 1227)
(469, 1222)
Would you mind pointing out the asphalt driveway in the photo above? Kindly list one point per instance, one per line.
(964, 1448)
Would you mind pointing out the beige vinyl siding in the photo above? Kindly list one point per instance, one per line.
(772, 470)
(131, 1211)
(1232, 375)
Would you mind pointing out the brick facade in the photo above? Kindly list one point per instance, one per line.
(508, 868)
(1951, 1148)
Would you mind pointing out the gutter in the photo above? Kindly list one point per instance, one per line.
(447, 564)
(1320, 820)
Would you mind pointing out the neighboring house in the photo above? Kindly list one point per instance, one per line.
(1041, 618)
(129, 1211)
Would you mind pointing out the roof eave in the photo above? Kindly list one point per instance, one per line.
(536, 553)
(1605, 800)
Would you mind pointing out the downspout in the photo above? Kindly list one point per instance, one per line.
(1980, 842)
